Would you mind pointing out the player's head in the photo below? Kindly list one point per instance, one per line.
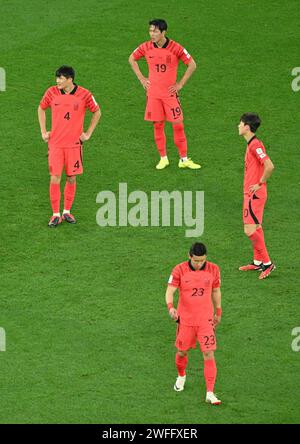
(197, 254)
(248, 122)
(65, 76)
(157, 29)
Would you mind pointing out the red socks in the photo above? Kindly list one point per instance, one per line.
(181, 363)
(180, 139)
(69, 194)
(259, 246)
(55, 196)
(210, 374)
(160, 138)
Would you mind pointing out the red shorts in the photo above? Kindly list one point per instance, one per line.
(68, 158)
(253, 208)
(187, 337)
(168, 109)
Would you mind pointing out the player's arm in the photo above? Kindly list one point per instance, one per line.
(94, 122)
(171, 290)
(179, 85)
(42, 121)
(135, 67)
(268, 169)
(216, 298)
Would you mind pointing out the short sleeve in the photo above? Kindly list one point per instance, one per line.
(184, 56)
(217, 278)
(174, 279)
(91, 103)
(259, 152)
(46, 100)
(139, 52)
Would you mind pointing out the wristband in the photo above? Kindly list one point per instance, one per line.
(219, 311)
(170, 305)
(260, 183)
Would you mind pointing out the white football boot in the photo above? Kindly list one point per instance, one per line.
(179, 384)
(212, 399)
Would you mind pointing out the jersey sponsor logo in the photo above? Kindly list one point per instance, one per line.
(168, 59)
(170, 280)
(76, 106)
(186, 53)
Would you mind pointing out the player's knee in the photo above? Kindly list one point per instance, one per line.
(249, 229)
(71, 179)
(181, 353)
(55, 179)
(159, 125)
(208, 354)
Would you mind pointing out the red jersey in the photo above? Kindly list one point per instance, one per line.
(195, 304)
(254, 164)
(68, 111)
(162, 64)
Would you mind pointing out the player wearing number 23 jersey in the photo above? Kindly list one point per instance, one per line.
(162, 56)
(68, 103)
(198, 312)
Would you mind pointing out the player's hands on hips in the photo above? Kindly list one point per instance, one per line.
(46, 136)
(84, 137)
(145, 83)
(173, 314)
(254, 188)
(175, 88)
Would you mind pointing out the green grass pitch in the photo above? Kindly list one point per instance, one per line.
(88, 336)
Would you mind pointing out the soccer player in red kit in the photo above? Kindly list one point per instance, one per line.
(162, 56)
(198, 313)
(258, 169)
(68, 103)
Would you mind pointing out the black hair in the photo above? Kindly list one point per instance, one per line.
(161, 24)
(198, 249)
(66, 71)
(252, 120)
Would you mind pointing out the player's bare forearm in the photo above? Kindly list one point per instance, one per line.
(42, 121)
(94, 122)
(179, 85)
(216, 298)
(169, 300)
(135, 67)
(268, 170)
(190, 69)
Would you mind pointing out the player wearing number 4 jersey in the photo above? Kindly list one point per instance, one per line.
(198, 313)
(258, 169)
(68, 103)
(162, 56)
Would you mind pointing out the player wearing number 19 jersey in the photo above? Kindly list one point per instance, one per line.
(198, 313)
(258, 169)
(162, 56)
(68, 103)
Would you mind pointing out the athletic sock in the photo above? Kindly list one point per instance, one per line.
(69, 195)
(210, 374)
(259, 247)
(54, 192)
(181, 363)
(180, 139)
(160, 138)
